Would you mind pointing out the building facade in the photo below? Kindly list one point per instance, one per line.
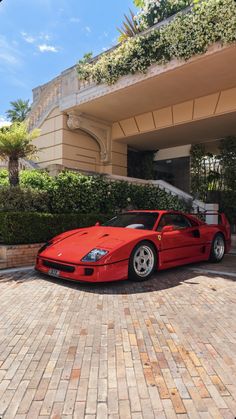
(90, 127)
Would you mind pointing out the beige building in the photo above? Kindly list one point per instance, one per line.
(91, 127)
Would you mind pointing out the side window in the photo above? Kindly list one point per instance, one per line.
(181, 222)
(178, 221)
(166, 220)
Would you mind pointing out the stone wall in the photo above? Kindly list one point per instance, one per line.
(14, 256)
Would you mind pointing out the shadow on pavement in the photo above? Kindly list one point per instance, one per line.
(160, 281)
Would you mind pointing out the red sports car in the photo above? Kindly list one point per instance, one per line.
(133, 245)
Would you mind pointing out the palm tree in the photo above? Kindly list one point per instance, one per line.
(129, 27)
(20, 110)
(16, 143)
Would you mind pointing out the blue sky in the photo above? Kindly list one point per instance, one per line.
(40, 38)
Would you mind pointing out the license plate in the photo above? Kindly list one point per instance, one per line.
(54, 272)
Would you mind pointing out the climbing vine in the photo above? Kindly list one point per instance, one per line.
(185, 36)
(154, 11)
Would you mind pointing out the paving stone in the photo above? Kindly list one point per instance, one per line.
(161, 349)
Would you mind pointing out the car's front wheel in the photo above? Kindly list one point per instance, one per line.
(143, 261)
(217, 248)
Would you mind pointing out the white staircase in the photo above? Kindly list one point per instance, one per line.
(198, 206)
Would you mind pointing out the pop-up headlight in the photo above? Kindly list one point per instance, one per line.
(94, 255)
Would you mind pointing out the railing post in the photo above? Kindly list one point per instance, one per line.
(212, 218)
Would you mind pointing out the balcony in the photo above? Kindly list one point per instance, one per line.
(162, 90)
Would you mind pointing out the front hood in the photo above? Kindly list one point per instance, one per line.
(74, 247)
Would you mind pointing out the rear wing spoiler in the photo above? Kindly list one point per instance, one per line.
(218, 217)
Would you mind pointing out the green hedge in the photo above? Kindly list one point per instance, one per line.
(185, 36)
(35, 179)
(24, 199)
(26, 227)
(45, 206)
(71, 192)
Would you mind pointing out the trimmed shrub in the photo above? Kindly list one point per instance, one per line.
(71, 192)
(28, 227)
(71, 200)
(74, 192)
(36, 179)
(4, 181)
(17, 199)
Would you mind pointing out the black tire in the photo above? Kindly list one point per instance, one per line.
(142, 270)
(217, 248)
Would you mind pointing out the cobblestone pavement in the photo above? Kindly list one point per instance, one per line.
(165, 348)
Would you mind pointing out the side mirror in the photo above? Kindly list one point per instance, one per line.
(97, 224)
(167, 229)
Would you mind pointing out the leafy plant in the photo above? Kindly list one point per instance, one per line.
(36, 179)
(214, 175)
(228, 162)
(154, 11)
(71, 192)
(227, 205)
(139, 3)
(87, 57)
(16, 143)
(185, 36)
(205, 172)
(129, 28)
(4, 180)
(47, 207)
(19, 110)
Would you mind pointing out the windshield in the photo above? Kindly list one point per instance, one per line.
(137, 220)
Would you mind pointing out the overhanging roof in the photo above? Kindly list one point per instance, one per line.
(175, 82)
(195, 132)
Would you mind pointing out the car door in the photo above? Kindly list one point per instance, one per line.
(183, 242)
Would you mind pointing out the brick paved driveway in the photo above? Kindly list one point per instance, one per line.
(161, 349)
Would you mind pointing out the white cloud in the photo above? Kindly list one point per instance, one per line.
(28, 38)
(4, 122)
(47, 48)
(88, 29)
(32, 39)
(9, 55)
(44, 36)
(74, 19)
(40, 41)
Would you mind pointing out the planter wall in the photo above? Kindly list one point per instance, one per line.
(15, 256)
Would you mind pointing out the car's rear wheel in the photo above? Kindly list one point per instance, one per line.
(217, 248)
(143, 262)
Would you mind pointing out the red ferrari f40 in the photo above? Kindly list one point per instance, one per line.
(133, 245)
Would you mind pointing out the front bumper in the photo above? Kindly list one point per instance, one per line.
(83, 272)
